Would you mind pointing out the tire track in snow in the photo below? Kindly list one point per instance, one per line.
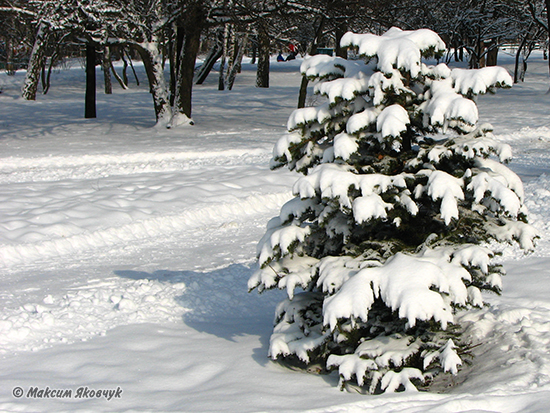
(190, 219)
(52, 168)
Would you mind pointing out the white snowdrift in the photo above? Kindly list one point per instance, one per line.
(166, 316)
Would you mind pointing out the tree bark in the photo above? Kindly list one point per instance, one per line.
(152, 62)
(46, 81)
(43, 76)
(492, 54)
(214, 54)
(221, 74)
(254, 52)
(117, 77)
(312, 50)
(175, 64)
(90, 107)
(518, 55)
(264, 46)
(235, 66)
(124, 67)
(10, 67)
(131, 67)
(338, 33)
(186, 72)
(106, 65)
(172, 59)
(36, 62)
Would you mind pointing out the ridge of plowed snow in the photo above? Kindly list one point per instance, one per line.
(48, 168)
(12, 255)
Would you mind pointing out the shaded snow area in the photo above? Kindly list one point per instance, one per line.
(125, 251)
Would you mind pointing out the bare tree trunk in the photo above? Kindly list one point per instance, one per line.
(186, 73)
(36, 62)
(118, 78)
(43, 76)
(518, 55)
(106, 65)
(150, 55)
(232, 46)
(175, 64)
(303, 92)
(10, 67)
(46, 81)
(264, 46)
(214, 54)
(124, 68)
(132, 67)
(172, 59)
(492, 54)
(221, 75)
(313, 49)
(338, 33)
(522, 44)
(90, 107)
(254, 51)
(235, 67)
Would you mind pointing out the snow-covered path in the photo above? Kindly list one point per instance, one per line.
(87, 218)
(125, 252)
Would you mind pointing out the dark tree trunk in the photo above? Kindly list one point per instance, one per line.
(106, 65)
(518, 55)
(46, 81)
(492, 54)
(214, 54)
(124, 68)
(90, 107)
(175, 64)
(264, 46)
(172, 58)
(186, 72)
(43, 77)
(338, 33)
(303, 92)
(133, 69)
(516, 66)
(313, 50)
(254, 52)
(235, 65)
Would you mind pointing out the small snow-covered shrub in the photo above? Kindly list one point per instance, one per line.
(387, 233)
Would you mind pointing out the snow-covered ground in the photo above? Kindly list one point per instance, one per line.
(125, 252)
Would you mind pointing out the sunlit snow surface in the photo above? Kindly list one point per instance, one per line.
(125, 252)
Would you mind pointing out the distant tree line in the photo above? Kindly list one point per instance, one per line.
(37, 34)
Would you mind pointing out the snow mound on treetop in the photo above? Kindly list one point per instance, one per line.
(396, 48)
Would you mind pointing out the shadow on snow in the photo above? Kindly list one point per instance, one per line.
(218, 303)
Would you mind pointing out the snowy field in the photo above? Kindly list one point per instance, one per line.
(125, 252)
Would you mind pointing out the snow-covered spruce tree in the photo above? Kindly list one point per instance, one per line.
(388, 231)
